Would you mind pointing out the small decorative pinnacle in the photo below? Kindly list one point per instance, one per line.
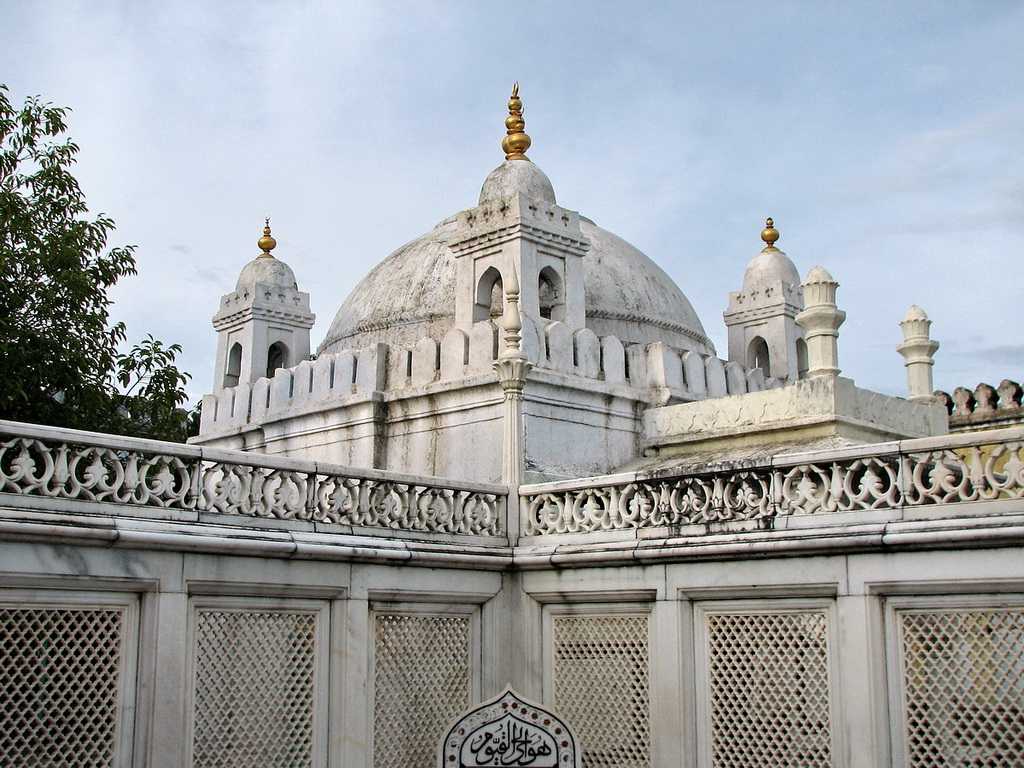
(769, 234)
(267, 243)
(516, 142)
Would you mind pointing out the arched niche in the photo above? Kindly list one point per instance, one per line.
(234, 366)
(801, 358)
(551, 294)
(757, 356)
(490, 296)
(277, 357)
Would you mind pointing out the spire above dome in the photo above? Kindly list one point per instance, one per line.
(770, 235)
(266, 243)
(266, 269)
(514, 177)
(516, 140)
(770, 264)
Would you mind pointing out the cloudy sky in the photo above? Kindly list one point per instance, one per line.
(886, 139)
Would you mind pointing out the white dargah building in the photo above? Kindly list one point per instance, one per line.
(517, 461)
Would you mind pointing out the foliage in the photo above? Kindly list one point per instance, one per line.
(59, 352)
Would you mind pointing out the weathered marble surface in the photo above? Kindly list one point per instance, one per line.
(813, 408)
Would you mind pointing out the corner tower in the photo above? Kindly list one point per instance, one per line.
(761, 317)
(264, 323)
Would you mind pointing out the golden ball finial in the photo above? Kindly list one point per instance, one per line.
(266, 243)
(516, 142)
(769, 234)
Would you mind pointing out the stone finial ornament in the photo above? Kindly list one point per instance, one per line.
(516, 140)
(512, 321)
(266, 243)
(918, 350)
(820, 320)
(770, 235)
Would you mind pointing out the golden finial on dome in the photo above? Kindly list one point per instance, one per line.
(769, 234)
(267, 243)
(516, 142)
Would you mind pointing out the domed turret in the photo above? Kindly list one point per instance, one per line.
(264, 324)
(763, 332)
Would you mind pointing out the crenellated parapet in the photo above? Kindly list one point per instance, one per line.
(676, 374)
(310, 385)
(659, 373)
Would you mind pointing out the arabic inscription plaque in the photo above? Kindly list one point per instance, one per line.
(509, 731)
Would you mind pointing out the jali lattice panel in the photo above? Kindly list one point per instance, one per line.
(768, 693)
(423, 678)
(600, 682)
(962, 676)
(255, 691)
(62, 681)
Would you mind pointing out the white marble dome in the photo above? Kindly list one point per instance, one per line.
(411, 294)
(517, 176)
(267, 270)
(769, 266)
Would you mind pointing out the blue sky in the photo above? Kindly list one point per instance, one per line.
(887, 141)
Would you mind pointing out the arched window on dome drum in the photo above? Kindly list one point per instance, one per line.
(490, 296)
(801, 358)
(551, 295)
(757, 356)
(234, 367)
(277, 357)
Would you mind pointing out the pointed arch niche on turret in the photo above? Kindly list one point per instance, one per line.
(277, 357)
(489, 295)
(758, 356)
(234, 369)
(551, 294)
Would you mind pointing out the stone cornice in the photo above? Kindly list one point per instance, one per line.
(476, 241)
(492, 224)
(225, 319)
(739, 315)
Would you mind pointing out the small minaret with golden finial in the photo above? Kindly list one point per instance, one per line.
(516, 140)
(262, 326)
(764, 336)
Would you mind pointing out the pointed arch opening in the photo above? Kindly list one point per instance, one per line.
(277, 357)
(801, 359)
(234, 366)
(757, 356)
(490, 296)
(551, 295)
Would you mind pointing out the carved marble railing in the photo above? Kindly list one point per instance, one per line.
(977, 467)
(67, 464)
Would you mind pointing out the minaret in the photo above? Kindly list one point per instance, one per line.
(918, 350)
(761, 317)
(264, 323)
(820, 321)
